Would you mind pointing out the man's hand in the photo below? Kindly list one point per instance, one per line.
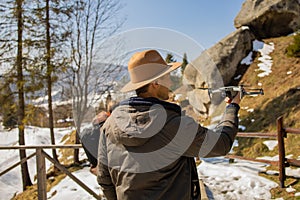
(236, 99)
(93, 170)
(101, 117)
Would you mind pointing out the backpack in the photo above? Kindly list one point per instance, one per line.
(89, 138)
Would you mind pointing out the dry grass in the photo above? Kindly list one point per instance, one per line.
(282, 98)
(282, 93)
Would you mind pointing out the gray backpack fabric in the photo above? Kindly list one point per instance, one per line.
(89, 138)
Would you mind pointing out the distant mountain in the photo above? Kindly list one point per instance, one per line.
(102, 77)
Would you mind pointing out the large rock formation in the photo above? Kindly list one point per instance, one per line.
(216, 66)
(269, 18)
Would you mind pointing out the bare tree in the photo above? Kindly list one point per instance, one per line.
(93, 21)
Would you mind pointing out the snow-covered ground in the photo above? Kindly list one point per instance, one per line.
(11, 183)
(239, 180)
(68, 189)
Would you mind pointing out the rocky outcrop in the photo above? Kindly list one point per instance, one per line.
(269, 18)
(216, 66)
(200, 101)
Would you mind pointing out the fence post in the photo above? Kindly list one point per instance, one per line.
(281, 151)
(41, 174)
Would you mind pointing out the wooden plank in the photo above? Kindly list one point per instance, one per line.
(18, 163)
(75, 146)
(74, 178)
(257, 135)
(41, 174)
(271, 162)
(291, 182)
(294, 162)
(292, 130)
(203, 191)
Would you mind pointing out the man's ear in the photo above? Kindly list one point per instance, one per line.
(154, 84)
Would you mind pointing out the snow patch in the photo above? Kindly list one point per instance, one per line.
(248, 59)
(68, 189)
(247, 27)
(290, 189)
(241, 127)
(237, 77)
(235, 181)
(250, 110)
(266, 61)
(271, 144)
(294, 172)
(265, 65)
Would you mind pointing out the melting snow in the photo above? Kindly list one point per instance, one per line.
(265, 65)
(266, 61)
(234, 181)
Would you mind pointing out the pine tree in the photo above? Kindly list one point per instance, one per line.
(169, 58)
(184, 62)
(8, 106)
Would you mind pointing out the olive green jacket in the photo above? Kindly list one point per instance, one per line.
(146, 146)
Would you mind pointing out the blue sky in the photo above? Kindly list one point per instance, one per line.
(205, 21)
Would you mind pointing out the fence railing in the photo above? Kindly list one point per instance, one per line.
(41, 155)
(282, 161)
(41, 167)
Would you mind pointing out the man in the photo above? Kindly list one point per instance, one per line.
(147, 146)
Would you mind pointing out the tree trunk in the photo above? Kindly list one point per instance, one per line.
(78, 129)
(21, 108)
(49, 79)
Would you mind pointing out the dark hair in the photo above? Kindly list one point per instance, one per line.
(142, 89)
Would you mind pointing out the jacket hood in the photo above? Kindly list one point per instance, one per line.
(137, 119)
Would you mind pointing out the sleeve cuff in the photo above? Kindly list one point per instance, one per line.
(234, 105)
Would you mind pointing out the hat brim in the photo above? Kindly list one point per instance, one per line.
(133, 86)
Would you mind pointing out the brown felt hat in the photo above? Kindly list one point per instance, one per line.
(145, 67)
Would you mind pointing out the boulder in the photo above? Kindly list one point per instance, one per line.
(199, 99)
(269, 18)
(216, 67)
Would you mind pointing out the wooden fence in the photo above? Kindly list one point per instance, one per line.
(41, 167)
(282, 161)
(41, 155)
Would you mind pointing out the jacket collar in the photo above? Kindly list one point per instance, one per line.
(139, 101)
